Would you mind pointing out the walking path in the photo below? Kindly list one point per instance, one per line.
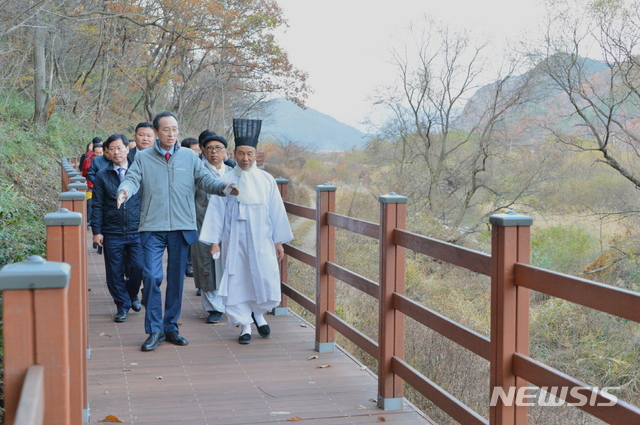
(215, 380)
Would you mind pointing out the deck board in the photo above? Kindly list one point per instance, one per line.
(215, 380)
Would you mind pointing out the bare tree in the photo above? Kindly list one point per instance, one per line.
(601, 103)
(443, 145)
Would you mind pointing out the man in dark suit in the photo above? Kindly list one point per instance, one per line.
(116, 229)
(167, 175)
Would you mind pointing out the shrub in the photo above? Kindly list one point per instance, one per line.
(562, 248)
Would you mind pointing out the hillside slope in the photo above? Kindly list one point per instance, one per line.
(284, 121)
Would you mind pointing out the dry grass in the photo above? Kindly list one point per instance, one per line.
(594, 347)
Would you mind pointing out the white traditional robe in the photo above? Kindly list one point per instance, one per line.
(247, 234)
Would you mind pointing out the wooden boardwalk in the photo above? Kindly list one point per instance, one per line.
(215, 380)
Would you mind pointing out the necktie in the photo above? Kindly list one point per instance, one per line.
(121, 173)
(167, 156)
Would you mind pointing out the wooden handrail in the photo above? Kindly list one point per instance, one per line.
(354, 225)
(467, 338)
(511, 281)
(300, 255)
(299, 297)
(365, 285)
(541, 375)
(475, 261)
(605, 298)
(441, 398)
(31, 405)
(300, 211)
(361, 340)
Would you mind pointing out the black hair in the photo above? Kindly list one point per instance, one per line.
(97, 145)
(188, 142)
(144, 124)
(96, 140)
(157, 118)
(204, 135)
(114, 137)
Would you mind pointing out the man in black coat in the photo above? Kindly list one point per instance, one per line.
(116, 229)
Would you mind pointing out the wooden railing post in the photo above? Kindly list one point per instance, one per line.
(36, 331)
(66, 172)
(66, 242)
(283, 309)
(509, 313)
(325, 251)
(76, 201)
(393, 212)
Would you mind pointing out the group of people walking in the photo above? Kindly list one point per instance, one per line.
(160, 196)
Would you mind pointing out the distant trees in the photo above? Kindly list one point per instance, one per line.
(602, 113)
(462, 146)
(203, 59)
(441, 148)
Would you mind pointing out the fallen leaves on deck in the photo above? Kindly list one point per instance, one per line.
(323, 366)
(111, 418)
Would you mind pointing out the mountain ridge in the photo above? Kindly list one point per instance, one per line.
(284, 121)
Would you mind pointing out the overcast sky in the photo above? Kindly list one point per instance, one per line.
(344, 45)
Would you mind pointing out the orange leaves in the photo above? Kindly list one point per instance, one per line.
(111, 418)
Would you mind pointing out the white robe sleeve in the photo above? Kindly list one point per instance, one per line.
(213, 221)
(281, 229)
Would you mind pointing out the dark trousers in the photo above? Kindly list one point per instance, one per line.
(154, 245)
(89, 203)
(123, 252)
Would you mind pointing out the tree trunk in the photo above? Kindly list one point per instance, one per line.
(41, 96)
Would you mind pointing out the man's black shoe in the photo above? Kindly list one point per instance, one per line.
(263, 330)
(152, 342)
(189, 271)
(176, 339)
(244, 339)
(121, 316)
(199, 292)
(214, 317)
(136, 305)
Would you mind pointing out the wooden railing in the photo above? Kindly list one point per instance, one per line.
(31, 406)
(45, 320)
(512, 278)
(45, 352)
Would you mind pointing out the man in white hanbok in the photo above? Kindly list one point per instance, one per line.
(251, 229)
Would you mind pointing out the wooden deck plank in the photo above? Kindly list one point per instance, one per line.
(215, 380)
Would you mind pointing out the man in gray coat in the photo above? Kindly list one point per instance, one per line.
(168, 177)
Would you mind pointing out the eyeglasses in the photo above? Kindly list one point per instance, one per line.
(214, 148)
